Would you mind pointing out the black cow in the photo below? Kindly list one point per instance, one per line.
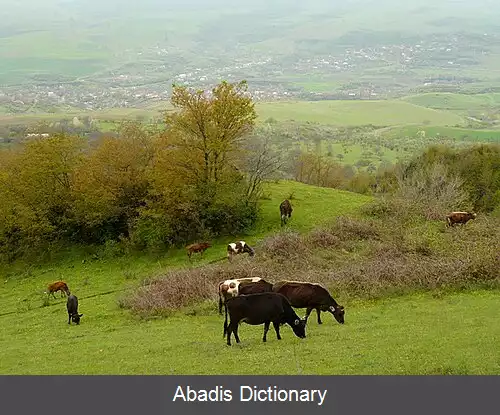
(311, 296)
(237, 286)
(72, 306)
(262, 308)
(285, 211)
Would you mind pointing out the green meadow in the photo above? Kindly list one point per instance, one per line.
(349, 113)
(420, 333)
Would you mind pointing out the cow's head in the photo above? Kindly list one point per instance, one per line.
(229, 288)
(76, 318)
(299, 328)
(249, 249)
(338, 313)
(473, 215)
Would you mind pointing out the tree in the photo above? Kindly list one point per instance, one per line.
(36, 187)
(111, 183)
(260, 161)
(208, 128)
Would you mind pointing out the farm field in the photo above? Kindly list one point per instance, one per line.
(414, 334)
(330, 112)
(437, 132)
(455, 102)
(375, 112)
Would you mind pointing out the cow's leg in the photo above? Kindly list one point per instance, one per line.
(235, 331)
(308, 311)
(318, 312)
(276, 325)
(266, 329)
(228, 332)
(62, 293)
(53, 295)
(69, 318)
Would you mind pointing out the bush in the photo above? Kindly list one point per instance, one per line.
(182, 288)
(387, 258)
(286, 244)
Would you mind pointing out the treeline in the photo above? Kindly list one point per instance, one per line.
(195, 176)
(198, 175)
(439, 179)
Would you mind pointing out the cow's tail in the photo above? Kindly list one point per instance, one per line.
(220, 303)
(225, 321)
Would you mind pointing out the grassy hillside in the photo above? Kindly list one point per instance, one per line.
(416, 334)
(376, 112)
(437, 132)
(455, 102)
(331, 112)
(312, 205)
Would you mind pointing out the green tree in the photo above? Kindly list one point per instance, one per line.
(210, 127)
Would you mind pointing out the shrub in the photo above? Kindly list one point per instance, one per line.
(286, 244)
(386, 258)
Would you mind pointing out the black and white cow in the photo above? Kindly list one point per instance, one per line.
(236, 248)
(234, 287)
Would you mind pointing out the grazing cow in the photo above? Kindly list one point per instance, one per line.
(262, 308)
(311, 296)
(72, 306)
(234, 287)
(199, 247)
(236, 248)
(58, 286)
(285, 211)
(459, 217)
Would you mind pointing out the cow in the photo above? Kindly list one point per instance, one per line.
(57, 286)
(459, 217)
(310, 296)
(72, 307)
(237, 286)
(236, 248)
(285, 211)
(262, 308)
(199, 247)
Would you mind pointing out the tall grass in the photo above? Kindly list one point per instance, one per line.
(354, 258)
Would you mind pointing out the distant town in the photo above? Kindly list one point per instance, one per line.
(270, 78)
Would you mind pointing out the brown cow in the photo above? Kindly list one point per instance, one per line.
(285, 211)
(311, 296)
(58, 286)
(234, 287)
(199, 247)
(236, 248)
(459, 217)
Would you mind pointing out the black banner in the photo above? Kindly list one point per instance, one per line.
(138, 395)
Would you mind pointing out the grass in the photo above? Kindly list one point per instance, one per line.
(434, 333)
(417, 334)
(375, 112)
(455, 102)
(459, 134)
(312, 206)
